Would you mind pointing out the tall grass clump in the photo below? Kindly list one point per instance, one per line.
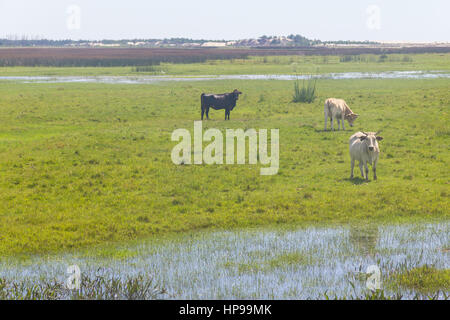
(93, 287)
(357, 58)
(149, 69)
(307, 93)
(425, 279)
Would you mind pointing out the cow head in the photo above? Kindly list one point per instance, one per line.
(371, 140)
(351, 117)
(236, 93)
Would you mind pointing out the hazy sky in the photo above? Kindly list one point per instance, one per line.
(413, 20)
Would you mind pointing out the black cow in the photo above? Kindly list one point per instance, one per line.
(225, 101)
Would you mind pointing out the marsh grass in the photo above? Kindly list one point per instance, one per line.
(289, 259)
(425, 279)
(103, 57)
(370, 58)
(307, 93)
(151, 69)
(262, 263)
(420, 283)
(97, 287)
(383, 295)
(265, 65)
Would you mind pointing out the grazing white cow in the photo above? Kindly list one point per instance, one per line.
(364, 148)
(339, 110)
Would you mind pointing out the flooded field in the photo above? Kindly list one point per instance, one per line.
(258, 263)
(157, 79)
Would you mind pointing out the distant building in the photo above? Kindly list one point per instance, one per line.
(191, 44)
(140, 43)
(214, 44)
(100, 44)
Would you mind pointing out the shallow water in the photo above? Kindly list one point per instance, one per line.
(158, 79)
(249, 263)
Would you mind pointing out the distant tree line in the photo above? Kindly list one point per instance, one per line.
(25, 42)
(349, 42)
(294, 40)
(36, 43)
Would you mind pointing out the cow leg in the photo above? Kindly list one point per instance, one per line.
(352, 165)
(331, 121)
(367, 171)
(374, 168)
(207, 113)
(203, 112)
(343, 118)
(339, 123)
(326, 118)
(361, 169)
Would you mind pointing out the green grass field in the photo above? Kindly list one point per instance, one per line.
(89, 164)
(258, 65)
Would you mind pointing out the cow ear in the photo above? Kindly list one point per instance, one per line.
(362, 138)
(379, 138)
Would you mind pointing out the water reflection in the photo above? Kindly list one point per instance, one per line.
(364, 238)
(156, 79)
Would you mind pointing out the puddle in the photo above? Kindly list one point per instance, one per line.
(158, 79)
(262, 264)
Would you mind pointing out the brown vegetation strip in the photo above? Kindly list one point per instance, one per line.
(153, 56)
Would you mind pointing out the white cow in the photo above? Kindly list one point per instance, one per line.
(364, 148)
(339, 110)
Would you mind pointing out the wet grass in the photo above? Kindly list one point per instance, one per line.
(98, 287)
(263, 263)
(287, 260)
(382, 295)
(260, 262)
(425, 279)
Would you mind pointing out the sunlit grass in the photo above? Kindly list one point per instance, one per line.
(83, 165)
(424, 279)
